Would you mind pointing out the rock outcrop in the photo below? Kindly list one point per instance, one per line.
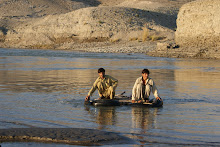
(198, 24)
(198, 32)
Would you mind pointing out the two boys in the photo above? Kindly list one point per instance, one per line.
(142, 88)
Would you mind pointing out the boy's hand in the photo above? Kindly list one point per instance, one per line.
(158, 98)
(87, 98)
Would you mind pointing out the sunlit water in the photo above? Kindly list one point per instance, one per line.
(45, 88)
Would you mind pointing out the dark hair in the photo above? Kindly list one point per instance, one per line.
(101, 70)
(145, 71)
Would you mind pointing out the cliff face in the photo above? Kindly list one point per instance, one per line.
(197, 34)
(198, 24)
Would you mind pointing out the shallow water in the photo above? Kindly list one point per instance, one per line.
(46, 88)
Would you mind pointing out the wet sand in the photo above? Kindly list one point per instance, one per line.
(76, 136)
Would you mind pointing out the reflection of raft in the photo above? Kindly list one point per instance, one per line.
(123, 100)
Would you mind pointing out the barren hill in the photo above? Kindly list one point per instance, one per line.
(63, 23)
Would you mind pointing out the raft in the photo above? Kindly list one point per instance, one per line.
(120, 100)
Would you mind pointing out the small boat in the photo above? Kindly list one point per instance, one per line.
(123, 100)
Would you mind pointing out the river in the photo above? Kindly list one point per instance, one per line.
(46, 88)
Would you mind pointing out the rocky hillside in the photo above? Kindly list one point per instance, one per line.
(39, 8)
(92, 23)
(14, 12)
(63, 23)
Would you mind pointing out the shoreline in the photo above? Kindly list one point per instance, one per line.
(121, 47)
(149, 48)
(101, 47)
(72, 136)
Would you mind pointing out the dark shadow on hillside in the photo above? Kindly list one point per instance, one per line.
(89, 2)
(4, 30)
(161, 19)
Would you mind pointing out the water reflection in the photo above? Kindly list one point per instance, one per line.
(143, 119)
(42, 75)
(104, 116)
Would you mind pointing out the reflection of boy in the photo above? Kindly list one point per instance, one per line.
(142, 88)
(105, 84)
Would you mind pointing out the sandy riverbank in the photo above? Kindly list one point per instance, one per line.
(119, 47)
(75, 136)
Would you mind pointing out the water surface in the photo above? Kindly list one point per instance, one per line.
(46, 88)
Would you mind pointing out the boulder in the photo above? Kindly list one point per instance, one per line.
(198, 24)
